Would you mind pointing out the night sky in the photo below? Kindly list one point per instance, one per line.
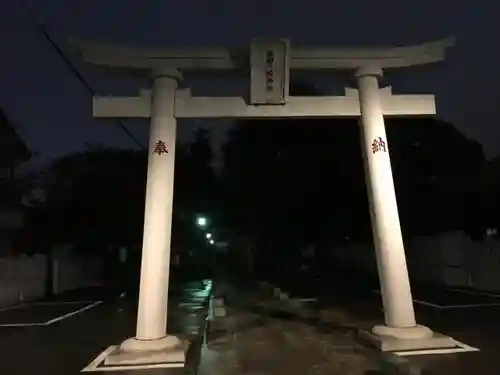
(52, 109)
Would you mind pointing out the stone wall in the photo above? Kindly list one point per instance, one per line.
(450, 259)
(24, 278)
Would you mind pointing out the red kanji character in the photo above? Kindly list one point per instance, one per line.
(378, 145)
(160, 148)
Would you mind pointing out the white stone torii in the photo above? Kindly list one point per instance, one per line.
(165, 103)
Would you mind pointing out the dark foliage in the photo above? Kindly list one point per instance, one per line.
(302, 181)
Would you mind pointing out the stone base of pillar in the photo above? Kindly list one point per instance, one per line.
(391, 339)
(167, 350)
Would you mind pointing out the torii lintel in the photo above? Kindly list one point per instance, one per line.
(301, 58)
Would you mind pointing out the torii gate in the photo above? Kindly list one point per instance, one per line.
(268, 63)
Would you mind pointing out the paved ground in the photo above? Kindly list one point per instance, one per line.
(260, 342)
(66, 347)
(467, 316)
(259, 339)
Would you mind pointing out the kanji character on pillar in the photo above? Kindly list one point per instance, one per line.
(378, 145)
(160, 148)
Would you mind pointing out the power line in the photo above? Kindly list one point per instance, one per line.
(43, 30)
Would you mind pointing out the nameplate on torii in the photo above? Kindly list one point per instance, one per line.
(188, 106)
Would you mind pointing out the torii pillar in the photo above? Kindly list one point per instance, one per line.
(386, 228)
(270, 63)
(152, 344)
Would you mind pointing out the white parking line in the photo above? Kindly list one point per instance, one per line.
(461, 348)
(69, 315)
(43, 303)
(96, 364)
(425, 303)
(55, 320)
(23, 325)
(474, 292)
(99, 359)
(12, 307)
(420, 302)
(428, 304)
(472, 305)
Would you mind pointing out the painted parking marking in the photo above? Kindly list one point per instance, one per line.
(425, 303)
(87, 306)
(451, 306)
(98, 364)
(475, 293)
(13, 307)
(73, 313)
(43, 303)
(471, 305)
(460, 348)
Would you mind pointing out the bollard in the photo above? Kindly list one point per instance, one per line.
(284, 296)
(219, 308)
(296, 304)
(218, 334)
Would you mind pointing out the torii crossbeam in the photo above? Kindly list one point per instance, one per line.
(187, 106)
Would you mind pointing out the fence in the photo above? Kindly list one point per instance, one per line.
(25, 278)
(451, 259)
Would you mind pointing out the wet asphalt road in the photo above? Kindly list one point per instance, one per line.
(66, 347)
(471, 317)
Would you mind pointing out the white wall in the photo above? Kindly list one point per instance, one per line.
(24, 278)
(450, 259)
(73, 272)
(21, 278)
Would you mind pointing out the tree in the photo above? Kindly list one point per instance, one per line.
(196, 193)
(196, 179)
(303, 180)
(93, 199)
(295, 181)
(482, 200)
(432, 162)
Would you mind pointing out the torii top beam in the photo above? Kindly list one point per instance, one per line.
(302, 58)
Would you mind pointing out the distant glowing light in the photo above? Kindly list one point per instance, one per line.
(491, 232)
(201, 221)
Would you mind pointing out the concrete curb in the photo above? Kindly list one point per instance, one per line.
(391, 364)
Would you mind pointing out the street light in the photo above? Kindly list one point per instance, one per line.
(208, 235)
(211, 242)
(201, 221)
(490, 232)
